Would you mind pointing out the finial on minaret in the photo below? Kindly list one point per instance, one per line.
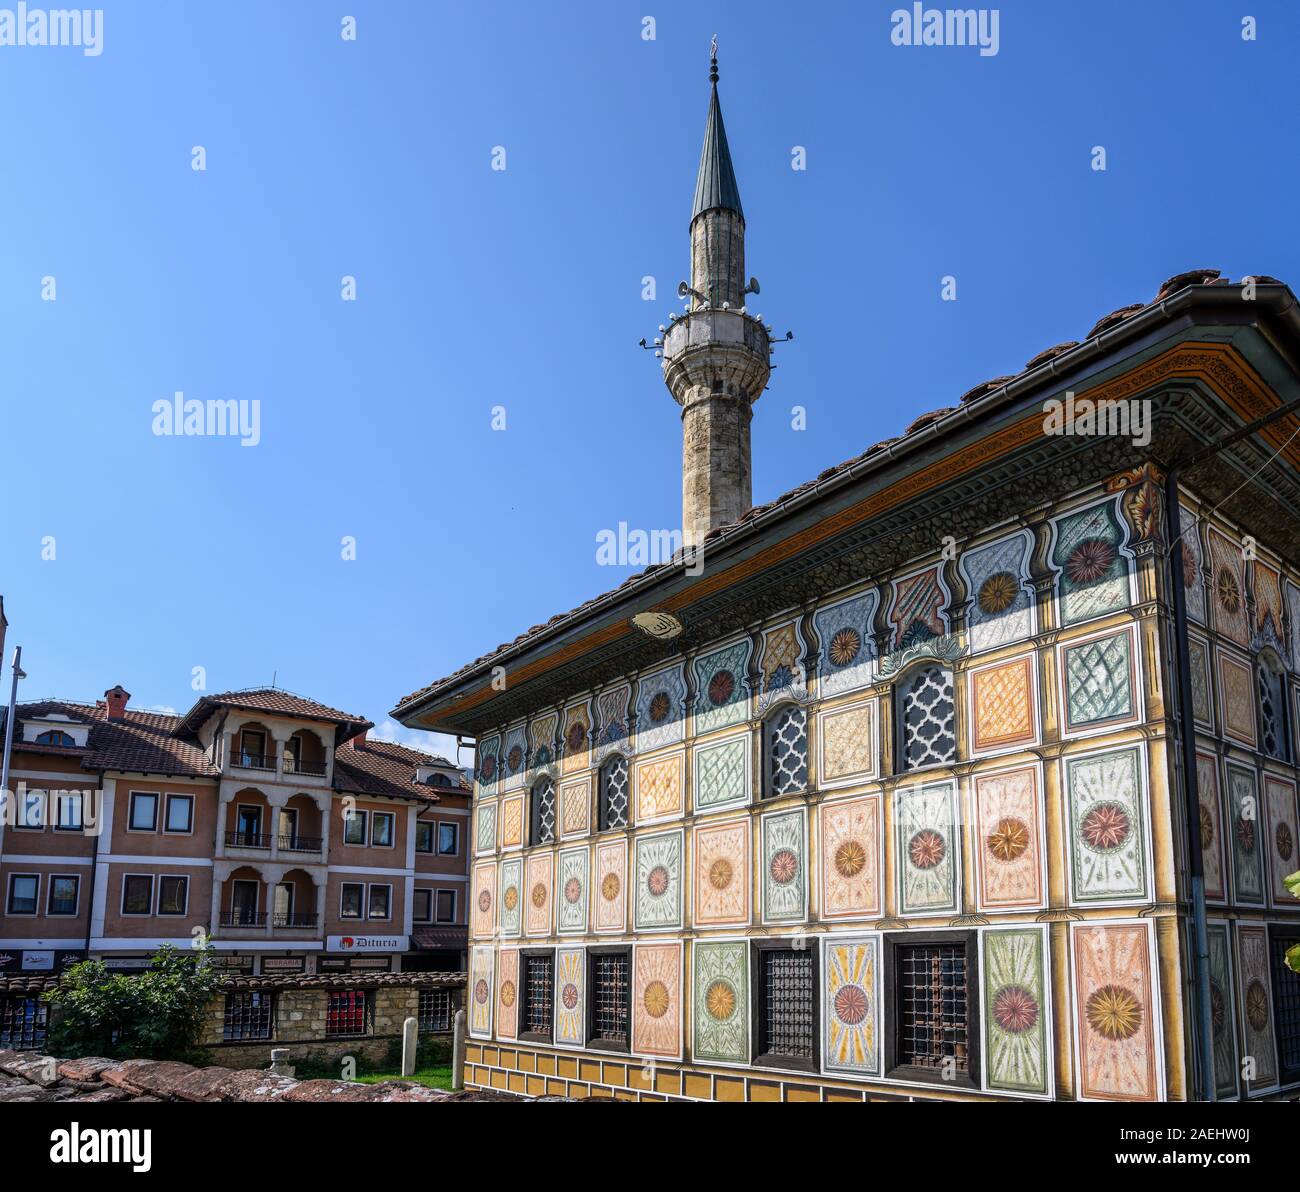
(713, 60)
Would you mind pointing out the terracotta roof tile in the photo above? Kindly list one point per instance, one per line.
(273, 701)
(384, 768)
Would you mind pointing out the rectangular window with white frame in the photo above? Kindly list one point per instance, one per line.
(381, 829)
(355, 823)
(448, 839)
(180, 814)
(424, 836)
(352, 896)
(379, 905)
(63, 895)
(31, 811)
(142, 815)
(446, 906)
(137, 894)
(422, 908)
(24, 894)
(69, 811)
(173, 894)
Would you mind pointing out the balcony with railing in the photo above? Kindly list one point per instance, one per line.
(241, 838)
(300, 844)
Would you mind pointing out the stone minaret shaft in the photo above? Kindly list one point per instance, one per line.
(716, 355)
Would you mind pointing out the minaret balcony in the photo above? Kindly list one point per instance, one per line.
(713, 350)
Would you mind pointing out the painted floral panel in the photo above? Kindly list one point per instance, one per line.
(722, 881)
(611, 886)
(658, 881)
(657, 1000)
(721, 1002)
(1107, 816)
(661, 709)
(1211, 827)
(926, 848)
(481, 988)
(1254, 990)
(1016, 1053)
(1279, 795)
(851, 1004)
(1223, 1011)
(722, 687)
(1247, 848)
(1228, 588)
(483, 922)
(570, 997)
(850, 857)
(1002, 604)
(571, 901)
(785, 867)
(1008, 818)
(511, 897)
(1092, 568)
(508, 994)
(537, 885)
(848, 650)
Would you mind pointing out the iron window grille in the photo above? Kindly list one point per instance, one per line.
(247, 1016)
(435, 1012)
(1286, 1005)
(538, 986)
(609, 998)
(786, 733)
(543, 812)
(934, 1035)
(23, 1019)
(613, 793)
(347, 1013)
(927, 718)
(785, 1026)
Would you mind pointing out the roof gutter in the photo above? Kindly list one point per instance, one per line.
(1275, 298)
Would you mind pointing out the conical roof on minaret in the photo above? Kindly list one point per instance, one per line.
(715, 186)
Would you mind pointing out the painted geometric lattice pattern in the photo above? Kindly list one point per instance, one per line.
(657, 1000)
(610, 886)
(787, 750)
(851, 1004)
(481, 992)
(1202, 706)
(1211, 826)
(570, 997)
(722, 773)
(575, 806)
(660, 709)
(847, 648)
(541, 742)
(1253, 988)
(615, 793)
(1002, 700)
(722, 687)
(543, 811)
(571, 898)
(721, 1002)
(485, 832)
(1293, 600)
(722, 874)
(785, 867)
(1002, 608)
(537, 895)
(611, 722)
(929, 718)
(514, 757)
(1108, 827)
(1015, 1010)
(1268, 605)
(1238, 698)
(1270, 683)
(1228, 588)
(488, 764)
(1099, 681)
(1117, 1021)
(1193, 566)
(917, 614)
(1008, 821)
(483, 912)
(659, 788)
(1092, 568)
(850, 857)
(658, 901)
(512, 821)
(511, 898)
(508, 994)
(928, 874)
(1247, 847)
(1283, 835)
(1223, 1011)
(576, 739)
(849, 743)
(782, 670)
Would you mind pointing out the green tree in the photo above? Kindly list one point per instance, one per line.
(156, 1014)
(1293, 953)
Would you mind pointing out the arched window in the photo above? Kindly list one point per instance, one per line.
(1270, 680)
(55, 737)
(543, 812)
(785, 751)
(927, 718)
(613, 793)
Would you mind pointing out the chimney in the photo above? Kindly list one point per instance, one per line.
(360, 739)
(117, 699)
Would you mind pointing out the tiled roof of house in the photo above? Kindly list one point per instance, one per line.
(1169, 287)
(273, 701)
(386, 768)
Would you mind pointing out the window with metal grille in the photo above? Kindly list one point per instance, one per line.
(786, 732)
(435, 1011)
(610, 990)
(933, 1031)
(785, 1006)
(613, 793)
(543, 814)
(1272, 708)
(538, 984)
(22, 1022)
(927, 719)
(1286, 1006)
(347, 1013)
(247, 1016)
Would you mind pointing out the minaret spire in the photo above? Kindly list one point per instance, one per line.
(715, 357)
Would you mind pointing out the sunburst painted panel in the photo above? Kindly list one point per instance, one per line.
(537, 886)
(721, 1001)
(1117, 1020)
(1008, 819)
(1247, 848)
(851, 1004)
(784, 878)
(570, 997)
(484, 916)
(849, 834)
(508, 994)
(488, 764)
(1228, 588)
(926, 849)
(1002, 604)
(571, 902)
(1279, 795)
(1016, 1054)
(510, 899)
(1092, 566)
(1107, 817)
(657, 1000)
(1211, 826)
(848, 649)
(610, 886)
(514, 756)
(1223, 1010)
(577, 738)
(722, 882)
(1253, 988)
(722, 687)
(661, 709)
(658, 901)
(481, 992)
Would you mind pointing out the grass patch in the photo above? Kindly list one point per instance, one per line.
(433, 1077)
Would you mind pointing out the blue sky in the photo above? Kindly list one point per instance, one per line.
(522, 288)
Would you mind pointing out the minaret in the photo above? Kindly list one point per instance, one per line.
(716, 354)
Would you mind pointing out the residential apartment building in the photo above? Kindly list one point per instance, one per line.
(263, 822)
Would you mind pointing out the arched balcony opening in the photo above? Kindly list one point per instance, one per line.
(251, 748)
(293, 901)
(243, 900)
(248, 821)
(304, 753)
(298, 827)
